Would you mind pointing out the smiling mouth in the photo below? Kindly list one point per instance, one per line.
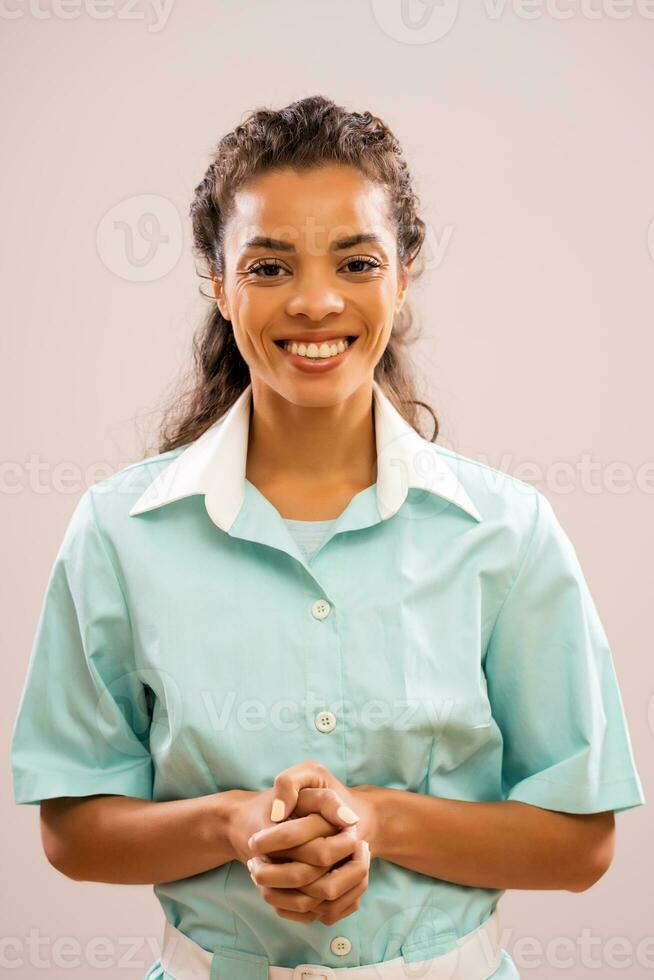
(317, 351)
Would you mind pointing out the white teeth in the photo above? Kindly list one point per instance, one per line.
(315, 351)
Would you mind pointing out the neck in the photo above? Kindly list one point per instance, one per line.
(315, 454)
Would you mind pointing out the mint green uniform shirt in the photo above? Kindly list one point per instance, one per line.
(441, 640)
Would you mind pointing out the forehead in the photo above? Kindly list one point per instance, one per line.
(319, 204)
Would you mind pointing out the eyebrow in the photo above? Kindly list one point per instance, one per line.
(263, 241)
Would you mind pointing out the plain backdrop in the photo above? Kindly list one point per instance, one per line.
(528, 128)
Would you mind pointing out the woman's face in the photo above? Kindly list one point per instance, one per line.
(295, 272)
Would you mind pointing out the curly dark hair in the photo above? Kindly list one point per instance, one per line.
(305, 134)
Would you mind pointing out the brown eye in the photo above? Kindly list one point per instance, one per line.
(362, 260)
(266, 265)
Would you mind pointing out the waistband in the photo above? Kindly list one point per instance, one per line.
(476, 956)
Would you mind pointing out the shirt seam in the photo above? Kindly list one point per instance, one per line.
(115, 574)
(111, 772)
(559, 782)
(521, 565)
(495, 470)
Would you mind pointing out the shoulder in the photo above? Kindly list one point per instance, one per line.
(499, 493)
(520, 533)
(507, 504)
(108, 501)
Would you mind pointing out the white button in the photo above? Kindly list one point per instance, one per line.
(340, 945)
(325, 721)
(321, 609)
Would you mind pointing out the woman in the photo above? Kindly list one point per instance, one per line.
(330, 687)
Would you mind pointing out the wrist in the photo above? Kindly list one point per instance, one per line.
(376, 800)
(220, 822)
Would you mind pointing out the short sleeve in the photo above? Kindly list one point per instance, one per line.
(552, 685)
(82, 726)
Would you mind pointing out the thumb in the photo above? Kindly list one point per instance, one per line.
(288, 784)
(328, 804)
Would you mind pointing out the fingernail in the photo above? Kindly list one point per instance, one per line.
(344, 813)
(366, 850)
(277, 811)
(250, 863)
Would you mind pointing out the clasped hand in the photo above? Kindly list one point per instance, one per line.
(306, 842)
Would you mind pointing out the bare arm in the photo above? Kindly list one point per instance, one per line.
(125, 840)
(505, 844)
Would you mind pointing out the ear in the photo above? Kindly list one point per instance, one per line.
(219, 293)
(403, 282)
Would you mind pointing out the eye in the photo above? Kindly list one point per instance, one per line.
(363, 259)
(265, 264)
(269, 267)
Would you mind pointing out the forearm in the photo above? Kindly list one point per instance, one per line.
(125, 840)
(504, 844)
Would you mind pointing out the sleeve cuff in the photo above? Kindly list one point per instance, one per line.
(32, 787)
(616, 795)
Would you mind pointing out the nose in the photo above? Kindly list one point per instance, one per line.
(315, 299)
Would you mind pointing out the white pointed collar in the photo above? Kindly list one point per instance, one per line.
(214, 465)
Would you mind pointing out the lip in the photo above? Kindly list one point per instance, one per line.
(319, 365)
(315, 337)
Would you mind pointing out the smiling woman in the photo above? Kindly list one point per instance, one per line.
(383, 694)
(320, 280)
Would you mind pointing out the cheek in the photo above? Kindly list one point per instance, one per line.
(379, 301)
(251, 313)
(379, 314)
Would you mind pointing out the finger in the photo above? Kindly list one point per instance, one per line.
(343, 907)
(325, 851)
(320, 828)
(330, 918)
(289, 899)
(331, 911)
(290, 833)
(297, 916)
(336, 883)
(287, 874)
(328, 803)
(288, 784)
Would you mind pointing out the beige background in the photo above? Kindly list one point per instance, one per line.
(530, 135)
